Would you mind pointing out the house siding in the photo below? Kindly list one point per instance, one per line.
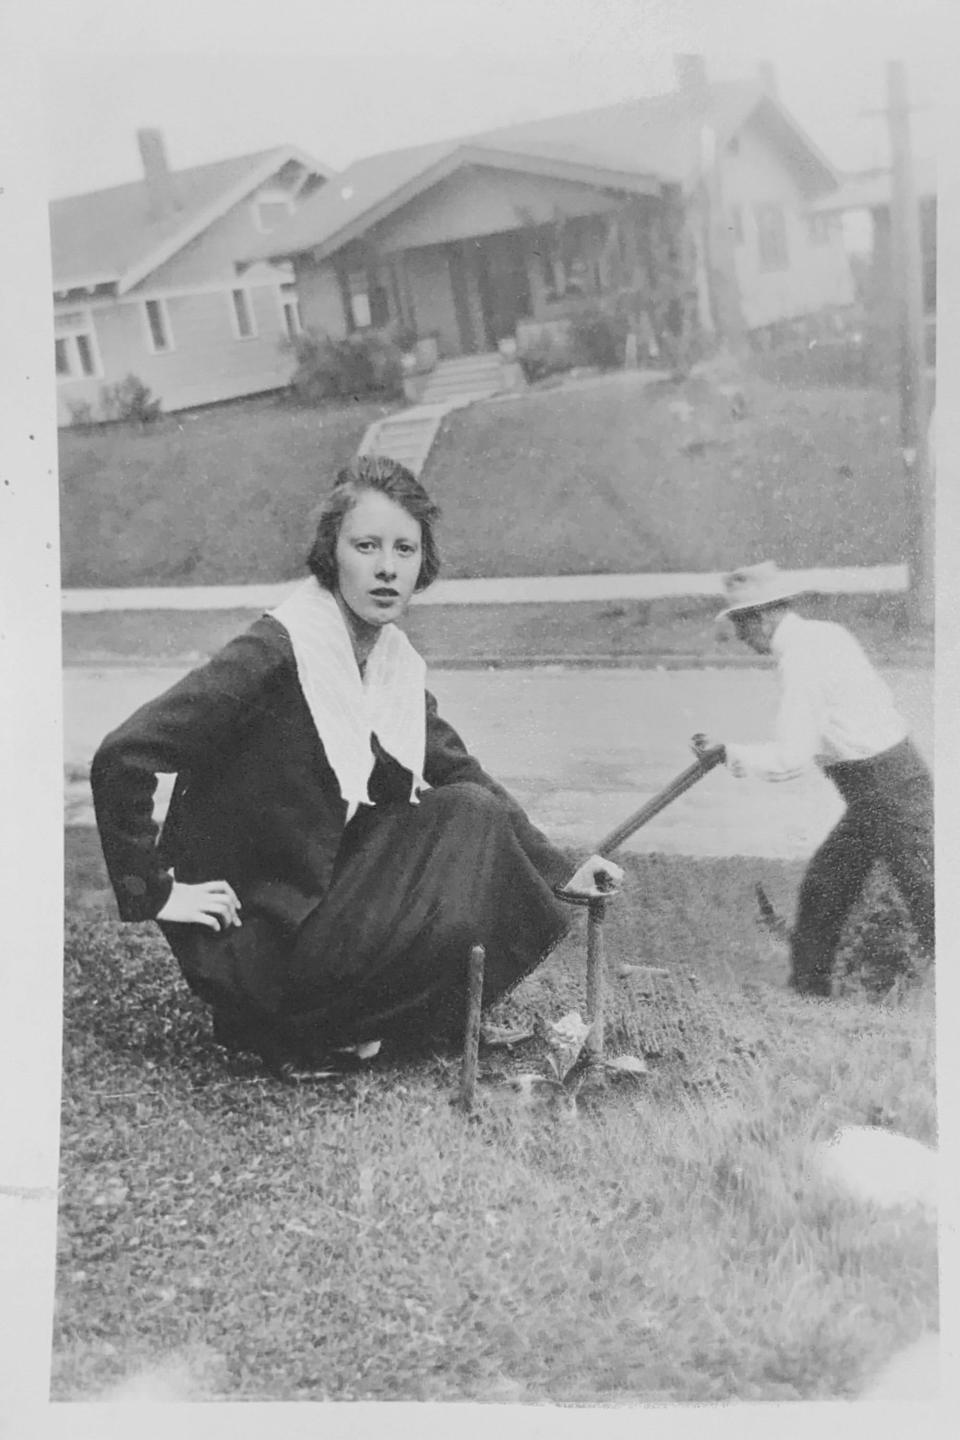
(321, 304)
(816, 276)
(207, 362)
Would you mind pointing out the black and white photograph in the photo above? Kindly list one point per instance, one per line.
(471, 600)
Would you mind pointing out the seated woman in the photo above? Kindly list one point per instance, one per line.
(331, 850)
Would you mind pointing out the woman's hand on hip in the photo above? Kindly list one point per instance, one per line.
(595, 877)
(212, 903)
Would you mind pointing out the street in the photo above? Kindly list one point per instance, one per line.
(580, 749)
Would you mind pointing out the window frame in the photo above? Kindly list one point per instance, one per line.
(819, 229)
(69, 335)
(768, 262)
(238, 332)
(163, 311)
(271, 197)
(289, 300)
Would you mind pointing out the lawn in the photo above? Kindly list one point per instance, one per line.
(609, 476)
(209, 497)
(360, 1239)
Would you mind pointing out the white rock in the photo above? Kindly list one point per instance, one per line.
(914, 1374)
(880, 1166)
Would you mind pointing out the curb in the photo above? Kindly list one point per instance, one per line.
(504, 590)
(671, 661)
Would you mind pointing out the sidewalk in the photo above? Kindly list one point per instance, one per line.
(509, 590)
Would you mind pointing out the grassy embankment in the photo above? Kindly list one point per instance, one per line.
(361, 1240)
(606, 478)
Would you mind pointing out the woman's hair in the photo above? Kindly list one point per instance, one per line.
(390, 478)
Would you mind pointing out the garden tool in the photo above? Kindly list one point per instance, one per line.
(708, 757)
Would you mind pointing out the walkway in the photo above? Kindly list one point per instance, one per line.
(508, 590)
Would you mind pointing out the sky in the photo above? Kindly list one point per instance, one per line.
(344, 78)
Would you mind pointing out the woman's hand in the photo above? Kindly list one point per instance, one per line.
(596, 877)
(212, 903)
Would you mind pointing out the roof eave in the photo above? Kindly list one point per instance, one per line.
(557, 168)
(205, 218)
(63, 285)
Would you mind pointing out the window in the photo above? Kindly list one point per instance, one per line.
(736, 224)
(369, 299)
(270, 209)
(821, 229)
(158, 326)
(772, 237)
(242, 315)
(290, 310)
(75, 346)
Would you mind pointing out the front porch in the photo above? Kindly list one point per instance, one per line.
(486, 256)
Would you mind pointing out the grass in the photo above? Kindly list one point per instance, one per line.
(632, 631)
(207, 497)
(609, 476)
(362, 1240)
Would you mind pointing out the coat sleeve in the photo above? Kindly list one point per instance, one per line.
(448, 762)
(187, 728)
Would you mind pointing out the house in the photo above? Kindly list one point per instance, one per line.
(478, 239)
(867, 195)
(144, 281)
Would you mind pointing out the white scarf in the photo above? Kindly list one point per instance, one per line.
(388, 700)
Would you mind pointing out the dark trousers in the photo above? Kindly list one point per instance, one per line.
(889, 817)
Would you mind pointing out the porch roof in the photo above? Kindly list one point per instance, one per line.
(371, 189)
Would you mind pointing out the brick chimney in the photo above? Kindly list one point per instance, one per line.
(691, 76)
(162, 198)
(767, 75)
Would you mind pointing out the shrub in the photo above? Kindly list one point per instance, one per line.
(129, 401)
(544, 349)
(598, 338)
(81, 414)
(360, 365)
(404, 336)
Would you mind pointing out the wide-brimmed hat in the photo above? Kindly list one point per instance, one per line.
(755, 587)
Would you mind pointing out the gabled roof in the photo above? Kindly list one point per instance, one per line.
(109, 236)
(636, 145)
(371, 189)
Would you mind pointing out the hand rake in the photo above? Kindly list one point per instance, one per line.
(708, 757)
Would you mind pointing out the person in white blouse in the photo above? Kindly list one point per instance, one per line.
(836, 712)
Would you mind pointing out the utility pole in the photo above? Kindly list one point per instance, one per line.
(908, 289)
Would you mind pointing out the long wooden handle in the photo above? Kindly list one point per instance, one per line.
(471, 1034)
(706, 761)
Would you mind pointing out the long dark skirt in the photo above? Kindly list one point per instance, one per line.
(385, 953)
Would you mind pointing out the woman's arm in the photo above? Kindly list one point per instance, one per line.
(186, 729)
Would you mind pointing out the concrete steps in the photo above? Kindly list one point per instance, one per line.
(471, 375)
(409, 435)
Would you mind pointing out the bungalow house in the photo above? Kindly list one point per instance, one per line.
(663, 203)
(144, 281)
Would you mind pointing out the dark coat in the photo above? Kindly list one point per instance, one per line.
(255, 801)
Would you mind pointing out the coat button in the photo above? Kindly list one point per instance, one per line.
(134, 885)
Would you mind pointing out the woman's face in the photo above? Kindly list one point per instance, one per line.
(378, 558)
